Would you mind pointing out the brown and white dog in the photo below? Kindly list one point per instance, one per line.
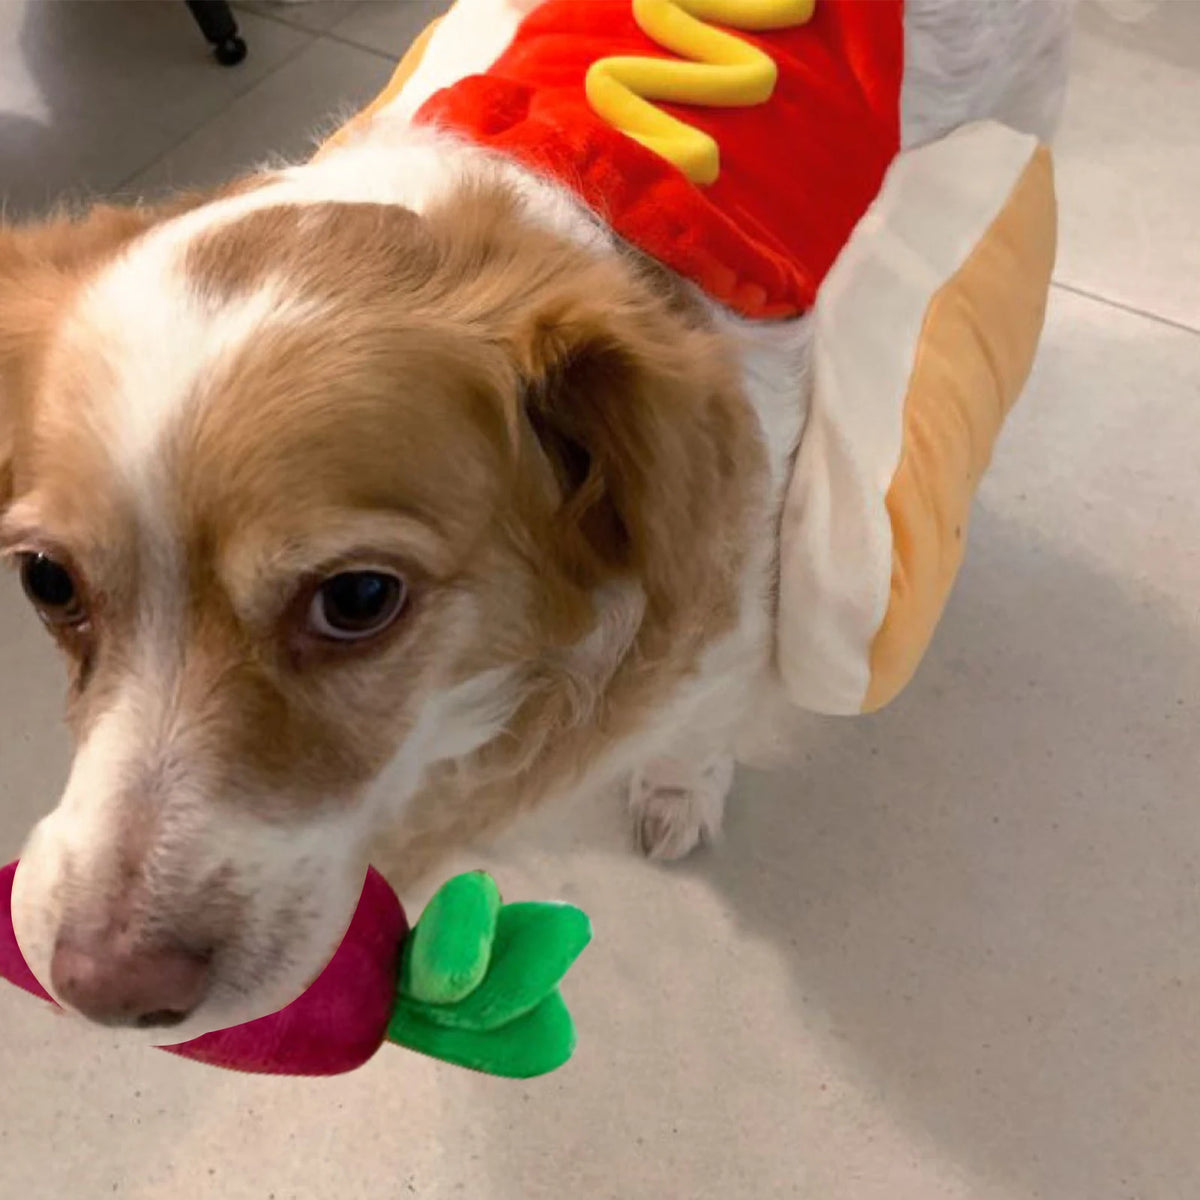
(388, 494)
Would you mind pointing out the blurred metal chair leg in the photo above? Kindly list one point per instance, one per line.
(217, 23)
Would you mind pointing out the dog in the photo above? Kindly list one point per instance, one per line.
(389, 495)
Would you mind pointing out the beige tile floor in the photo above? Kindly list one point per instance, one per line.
(954, 955)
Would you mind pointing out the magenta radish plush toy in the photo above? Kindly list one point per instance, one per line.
(475, 984)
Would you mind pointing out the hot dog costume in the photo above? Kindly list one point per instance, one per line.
(753, 146)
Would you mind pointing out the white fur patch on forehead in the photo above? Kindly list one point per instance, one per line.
(160, 338)
(160, 334)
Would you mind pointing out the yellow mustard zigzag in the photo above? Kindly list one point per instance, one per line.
(723, 71)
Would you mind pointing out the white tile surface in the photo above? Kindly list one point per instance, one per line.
(91, 93)
(953, 955)
(1129, 157)
(390, 27)
(384, 25)
(284, 117)
(316, 15)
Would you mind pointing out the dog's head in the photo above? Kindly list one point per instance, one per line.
(304, 491)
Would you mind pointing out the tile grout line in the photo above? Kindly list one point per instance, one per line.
(327, 34)
(287, 60)
(330, 36)
(1133, 310)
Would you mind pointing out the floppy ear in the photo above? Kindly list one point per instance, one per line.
(6, 484)
(26, 294)
(629, 395)
(638, 412)
(40, 264)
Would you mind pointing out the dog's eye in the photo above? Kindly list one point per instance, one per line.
(356, 604)
(52, 589)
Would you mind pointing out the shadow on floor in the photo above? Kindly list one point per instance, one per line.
(114, 85)
(993, 899)
(1165, 29)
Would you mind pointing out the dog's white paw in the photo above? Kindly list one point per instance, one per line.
(677, 805)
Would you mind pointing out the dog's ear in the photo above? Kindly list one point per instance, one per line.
(6, 481)
(40, 265)
(637, 411)
(628, 395)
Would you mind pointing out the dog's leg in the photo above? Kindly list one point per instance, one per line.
(678, 803)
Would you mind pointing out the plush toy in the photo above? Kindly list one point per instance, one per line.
(475, 983)
(753, 147)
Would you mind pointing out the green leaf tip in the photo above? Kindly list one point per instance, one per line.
(535, 945)
(447, 956)
(478, 984)
(535, 1044)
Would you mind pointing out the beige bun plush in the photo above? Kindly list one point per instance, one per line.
(926, 330)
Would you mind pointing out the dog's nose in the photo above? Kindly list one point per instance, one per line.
(152, 988)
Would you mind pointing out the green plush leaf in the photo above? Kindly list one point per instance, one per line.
(534, 947)
(448, 953)
(540, 1041)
